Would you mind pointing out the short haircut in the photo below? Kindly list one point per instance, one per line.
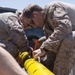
(30, 9)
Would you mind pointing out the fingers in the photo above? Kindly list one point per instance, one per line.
(36, 53)
(39, 53)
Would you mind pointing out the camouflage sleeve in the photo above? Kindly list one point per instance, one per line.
(59, 21)
(16, 33)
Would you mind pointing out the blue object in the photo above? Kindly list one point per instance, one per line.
(35, 31)
(33, 34)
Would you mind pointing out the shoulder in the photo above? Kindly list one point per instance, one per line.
(9, 14)
(55, 3)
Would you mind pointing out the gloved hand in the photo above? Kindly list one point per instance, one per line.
(38, 53)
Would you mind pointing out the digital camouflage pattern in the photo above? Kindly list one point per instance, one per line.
(12, 35)
(60, 39)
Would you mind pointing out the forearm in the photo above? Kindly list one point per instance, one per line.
(8, 65)
(16, 33)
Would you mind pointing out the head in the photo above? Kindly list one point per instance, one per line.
(32, 16)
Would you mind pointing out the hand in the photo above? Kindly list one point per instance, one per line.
(38, 53)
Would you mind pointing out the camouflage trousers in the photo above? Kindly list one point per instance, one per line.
(10, 47)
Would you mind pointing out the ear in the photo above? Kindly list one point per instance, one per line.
(35, 14)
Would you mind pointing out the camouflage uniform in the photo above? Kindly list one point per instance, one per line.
(12, 36)
(60, 39)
